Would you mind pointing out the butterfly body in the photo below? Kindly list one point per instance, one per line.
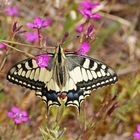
(60, 68)
(68, 76)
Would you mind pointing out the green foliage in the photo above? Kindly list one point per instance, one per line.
(52, 133)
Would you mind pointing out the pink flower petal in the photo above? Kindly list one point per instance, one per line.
(138, 128)
(30, 25)
(2, 46)
(79, 28)
(11, 115)
(32, 36)
(84, 48)
(97, 16)
(95, 4)
(47, 23)
(42, 60)
(18, 121)
(90, 30)
(85, 12)
(89, 4)
(86, 4)
(81, 11)
(24, 113)
(38, 21)
(136, 135)
(25, 119)
(15, 110)
(88, 13)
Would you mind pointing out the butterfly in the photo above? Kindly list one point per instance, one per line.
(69, 77)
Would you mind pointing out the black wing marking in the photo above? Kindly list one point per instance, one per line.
(75, 98)
(49, 97)
(88, 74)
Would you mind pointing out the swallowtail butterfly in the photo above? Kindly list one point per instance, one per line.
(68, 76)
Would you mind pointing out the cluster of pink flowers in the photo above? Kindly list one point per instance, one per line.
(32, 37)
(86, 10)
(88, 7)
(38, 23)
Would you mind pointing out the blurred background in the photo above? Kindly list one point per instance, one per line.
(110, 113)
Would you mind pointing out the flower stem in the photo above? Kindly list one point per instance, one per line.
(25, 53)
(40, 38)
(26, 45)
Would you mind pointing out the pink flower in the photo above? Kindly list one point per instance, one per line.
(39, 23)
(85, 12)
(136, 134)
(97, 16)
(89, 5)
(84, 48)
(11, 11)
(42, 60)
(32, 36)
(79, 28)
(2, 46)
(87, 9)
(18, 116)
(16, 28)
(90, 31)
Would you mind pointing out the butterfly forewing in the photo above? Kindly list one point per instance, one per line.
(28, 74)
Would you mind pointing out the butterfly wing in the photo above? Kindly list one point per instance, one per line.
(87, 74)
(28, 74)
